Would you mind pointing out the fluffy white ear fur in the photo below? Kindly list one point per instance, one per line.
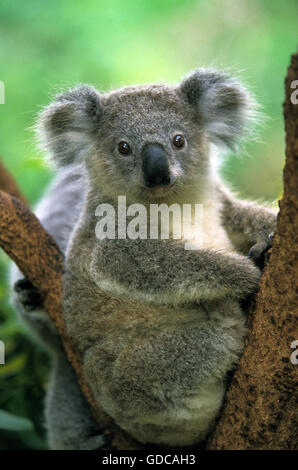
(65, 127)
(223, 106)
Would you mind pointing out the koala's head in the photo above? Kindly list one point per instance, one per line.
(147, 142)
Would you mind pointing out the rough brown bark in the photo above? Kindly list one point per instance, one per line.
(260, 409)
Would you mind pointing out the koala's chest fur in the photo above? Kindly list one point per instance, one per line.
(209, 234)
(203, 228)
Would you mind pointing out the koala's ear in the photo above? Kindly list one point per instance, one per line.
(222, 106)
(66, 127)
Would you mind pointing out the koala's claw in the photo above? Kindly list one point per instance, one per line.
(28, 295)
(260, 252)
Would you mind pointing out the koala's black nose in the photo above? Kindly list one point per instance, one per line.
(155, 166)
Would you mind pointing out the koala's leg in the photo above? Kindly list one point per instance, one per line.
(171, 381)
(70, 423)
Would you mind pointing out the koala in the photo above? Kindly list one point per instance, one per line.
(159, 327)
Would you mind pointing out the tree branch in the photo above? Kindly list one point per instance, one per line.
(35, 252)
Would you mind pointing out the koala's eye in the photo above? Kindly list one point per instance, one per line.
(178, 141)
(124, 148)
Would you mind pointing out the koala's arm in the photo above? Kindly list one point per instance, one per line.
(162, 271)
(247, 223)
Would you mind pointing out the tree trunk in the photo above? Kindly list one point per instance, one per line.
(259, 410)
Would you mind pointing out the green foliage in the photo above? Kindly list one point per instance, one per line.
(23, 379)
(10, 422)
(46, 46)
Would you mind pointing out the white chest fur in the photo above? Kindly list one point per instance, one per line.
(202, 227)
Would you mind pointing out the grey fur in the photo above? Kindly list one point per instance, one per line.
(158, 327)
(222, 105)
(69, 124)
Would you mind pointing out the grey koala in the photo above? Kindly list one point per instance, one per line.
(158, 326)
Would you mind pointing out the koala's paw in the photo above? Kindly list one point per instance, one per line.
(27, 295)
(260, 252)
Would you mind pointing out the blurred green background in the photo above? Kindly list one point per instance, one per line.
(48, 46)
